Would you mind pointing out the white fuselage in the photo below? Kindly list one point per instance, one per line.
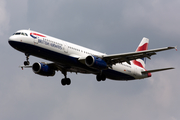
(52, 47)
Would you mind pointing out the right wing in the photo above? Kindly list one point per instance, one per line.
(127, 57)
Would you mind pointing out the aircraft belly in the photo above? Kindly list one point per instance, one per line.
(73, 63)
(116, 75)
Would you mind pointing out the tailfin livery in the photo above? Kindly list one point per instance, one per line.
(142, 46)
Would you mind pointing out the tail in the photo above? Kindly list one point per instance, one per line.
(142, 46)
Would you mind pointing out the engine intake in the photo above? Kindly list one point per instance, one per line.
(95, 62)
(42, 69)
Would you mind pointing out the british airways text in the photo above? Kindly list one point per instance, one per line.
(50, 43)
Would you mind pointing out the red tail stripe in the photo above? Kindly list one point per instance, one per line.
(143, 47)
(138, 63)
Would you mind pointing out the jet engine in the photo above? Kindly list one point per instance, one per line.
(42, 69)
(95, 62)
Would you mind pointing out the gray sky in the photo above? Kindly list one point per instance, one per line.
(109, 26)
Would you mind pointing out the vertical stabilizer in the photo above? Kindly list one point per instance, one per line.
(142, 46)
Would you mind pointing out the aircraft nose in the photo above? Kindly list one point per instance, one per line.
(11, 40)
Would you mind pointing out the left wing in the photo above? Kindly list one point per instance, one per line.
(127, 57)
(61, 67)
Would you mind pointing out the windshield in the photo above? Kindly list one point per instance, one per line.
(20, 33)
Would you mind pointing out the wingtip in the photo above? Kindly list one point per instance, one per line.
(175, 48)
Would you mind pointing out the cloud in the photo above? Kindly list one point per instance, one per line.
(159, 14)
(4, 19)
(108, 26)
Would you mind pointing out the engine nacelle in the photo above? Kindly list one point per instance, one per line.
(95, 62)
(42, 69)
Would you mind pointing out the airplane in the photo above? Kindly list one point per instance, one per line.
(69, 57)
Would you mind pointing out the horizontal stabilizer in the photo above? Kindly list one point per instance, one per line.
(157, 70)
(22, 66)
(27, 66)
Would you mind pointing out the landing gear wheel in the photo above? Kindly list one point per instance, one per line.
(68, 81)
(103, 77)
(65, 81)
(100, 77)
(26, 63)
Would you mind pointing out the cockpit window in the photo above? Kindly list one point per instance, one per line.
(17, 33)
(20, 33)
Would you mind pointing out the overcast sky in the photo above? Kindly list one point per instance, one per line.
(108, 26)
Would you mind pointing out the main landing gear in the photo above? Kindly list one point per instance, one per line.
(100, 77)
(27, 59)
(65, 81)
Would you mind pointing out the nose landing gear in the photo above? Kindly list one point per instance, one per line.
(27, 59)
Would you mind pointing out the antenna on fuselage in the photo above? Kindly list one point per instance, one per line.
(29, 29)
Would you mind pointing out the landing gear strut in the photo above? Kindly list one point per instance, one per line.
(65, 81)
(27, 59)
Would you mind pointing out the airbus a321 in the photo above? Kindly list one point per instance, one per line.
(69, 57)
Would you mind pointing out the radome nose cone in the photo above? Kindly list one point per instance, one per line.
(11, 40)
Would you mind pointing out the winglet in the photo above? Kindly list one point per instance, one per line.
(175, 48)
